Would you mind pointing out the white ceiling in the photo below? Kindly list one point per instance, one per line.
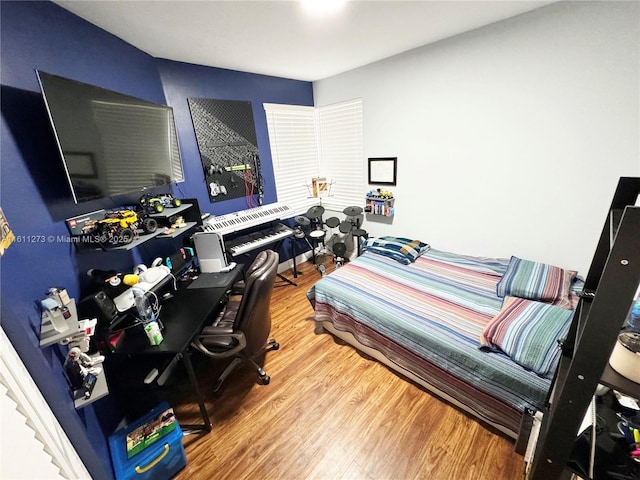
(284, 39)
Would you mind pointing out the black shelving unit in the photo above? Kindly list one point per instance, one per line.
(186, 210)
(189, 210)
(613, 280)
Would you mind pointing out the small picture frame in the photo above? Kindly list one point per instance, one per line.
(383, 170)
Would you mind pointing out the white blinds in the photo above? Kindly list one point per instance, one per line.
(292, 135)
(308, 142)
(341, 157)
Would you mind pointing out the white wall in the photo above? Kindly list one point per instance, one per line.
(511, 138)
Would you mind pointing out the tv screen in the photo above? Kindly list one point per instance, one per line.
(110, 143)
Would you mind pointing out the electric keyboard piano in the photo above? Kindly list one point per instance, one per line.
(259, 239)
(234, 223)
(244, 219)
(236, 243)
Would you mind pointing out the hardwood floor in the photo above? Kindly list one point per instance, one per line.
(332, 413)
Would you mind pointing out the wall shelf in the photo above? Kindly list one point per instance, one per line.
(50, 336)
(161, 217)
(381, 206)
(99, 391)
(190, 211)
(170, 211)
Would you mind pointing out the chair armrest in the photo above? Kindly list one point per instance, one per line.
(239, 336)
(216, 331)
(237, 288)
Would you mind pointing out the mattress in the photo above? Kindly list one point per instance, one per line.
(426, 318)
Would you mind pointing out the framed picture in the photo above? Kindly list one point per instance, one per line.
(382, 171)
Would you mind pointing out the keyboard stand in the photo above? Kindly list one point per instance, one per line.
(286, 280)
(276, 247)
(293, 254)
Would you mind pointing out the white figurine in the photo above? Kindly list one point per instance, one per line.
(86, 363)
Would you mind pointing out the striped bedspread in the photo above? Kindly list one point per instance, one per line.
(427, 317)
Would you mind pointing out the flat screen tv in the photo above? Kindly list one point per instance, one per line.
(110, 143)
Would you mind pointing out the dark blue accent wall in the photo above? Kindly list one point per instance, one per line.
(182, 81)
(34, 194)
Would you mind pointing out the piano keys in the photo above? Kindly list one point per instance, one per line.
(259, 239)
(244, 219)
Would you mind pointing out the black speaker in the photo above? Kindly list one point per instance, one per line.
(107, 308)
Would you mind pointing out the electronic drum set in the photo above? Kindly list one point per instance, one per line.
(311, 226)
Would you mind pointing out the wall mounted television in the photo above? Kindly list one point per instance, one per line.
(110, 143)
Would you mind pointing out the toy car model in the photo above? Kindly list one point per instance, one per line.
(157, 203)
(128, 218)
(107, 232)
(118, 227)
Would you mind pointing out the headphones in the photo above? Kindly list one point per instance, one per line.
(139, 269)
(143, 268)
(157, 262)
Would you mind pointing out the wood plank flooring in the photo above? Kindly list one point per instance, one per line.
(331, 413)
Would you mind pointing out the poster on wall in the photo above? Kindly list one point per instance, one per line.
(7, 235)
(226, 137)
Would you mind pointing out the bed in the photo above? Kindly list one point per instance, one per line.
(439, 320)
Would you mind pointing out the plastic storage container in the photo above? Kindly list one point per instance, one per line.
(159, 460)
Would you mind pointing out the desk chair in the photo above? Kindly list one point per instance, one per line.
(239, 286)
(242, 329)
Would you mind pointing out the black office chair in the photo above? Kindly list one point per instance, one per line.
(242, 329)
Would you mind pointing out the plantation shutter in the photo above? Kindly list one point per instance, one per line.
(34, 444)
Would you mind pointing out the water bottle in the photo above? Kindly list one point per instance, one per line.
(148, 317)
(143, 305)
(633, 319)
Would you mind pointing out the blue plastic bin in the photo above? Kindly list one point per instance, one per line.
(160, 460)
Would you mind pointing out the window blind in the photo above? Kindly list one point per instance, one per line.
(292, 136)
(341, 153)
(308, 142)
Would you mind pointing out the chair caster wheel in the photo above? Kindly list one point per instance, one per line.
(276, 346)
(264, 380)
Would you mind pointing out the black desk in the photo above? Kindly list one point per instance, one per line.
(183, 317)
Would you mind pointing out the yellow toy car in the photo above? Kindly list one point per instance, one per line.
(119, 227)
